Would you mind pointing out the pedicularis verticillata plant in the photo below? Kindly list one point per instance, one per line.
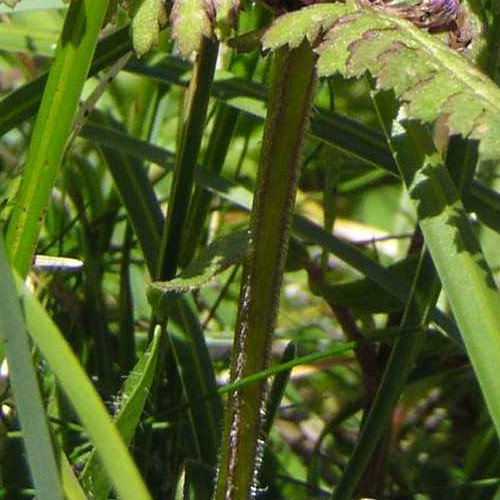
(385, 112)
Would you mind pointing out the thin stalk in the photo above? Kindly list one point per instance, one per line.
(292, 86)
(197, 98)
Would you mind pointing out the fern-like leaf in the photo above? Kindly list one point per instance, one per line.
(191, 21)
(429, 78)
(148, 18)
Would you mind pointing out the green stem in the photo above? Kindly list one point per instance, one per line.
(290, 100)
(198, 95)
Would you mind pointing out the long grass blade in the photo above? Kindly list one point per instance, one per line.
(37, 439)
(88, 405)
(53, 127)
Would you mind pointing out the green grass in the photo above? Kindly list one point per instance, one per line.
(290, 265)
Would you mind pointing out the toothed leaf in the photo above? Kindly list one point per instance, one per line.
(148, 19)
(191, 21)
(222, 253)
(428, 77)
(292, 28)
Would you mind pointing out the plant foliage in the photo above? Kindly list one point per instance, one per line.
(427, 77)
(320, 179)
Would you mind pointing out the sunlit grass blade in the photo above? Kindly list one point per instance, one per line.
(36, 435)
(471, 291)
(89, 407)
(53, 127)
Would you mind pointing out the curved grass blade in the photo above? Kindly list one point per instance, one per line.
(37, 440)
(53, 127)
(472, 293)
(88, 405)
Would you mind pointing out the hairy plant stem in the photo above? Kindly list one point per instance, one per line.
(292, 86)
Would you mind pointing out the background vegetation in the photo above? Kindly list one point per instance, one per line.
(312, 189)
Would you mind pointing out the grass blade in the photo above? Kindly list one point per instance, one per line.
(37, 440)
(472, 293)
(134, 393)
(53, 127)
(88, 405)
(23, 102)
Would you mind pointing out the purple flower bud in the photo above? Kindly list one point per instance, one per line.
(431, 14)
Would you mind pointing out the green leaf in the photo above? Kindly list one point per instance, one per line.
(36, 435)
(53, 127)
(429, 78)
(132, 396)
(83, 396)
(310, 23)
(473, 295)
(218, 256)
(23, 102)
